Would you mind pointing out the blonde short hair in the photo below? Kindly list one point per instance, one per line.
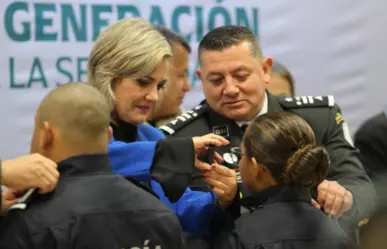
(129, 48)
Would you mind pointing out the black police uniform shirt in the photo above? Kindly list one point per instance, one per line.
(92, 208)
(324, 117)
(371, 140)
(283, 217)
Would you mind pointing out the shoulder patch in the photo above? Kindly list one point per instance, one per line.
(307, 101)
(339, 118)
(363, 222)
(184, 119)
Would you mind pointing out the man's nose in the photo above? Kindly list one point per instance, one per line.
(186, 85)
(231, 88)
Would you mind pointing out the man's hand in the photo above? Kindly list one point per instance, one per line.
(32, 171)
(223, 182)
(9, 198)
(200, 145)
(334, 198)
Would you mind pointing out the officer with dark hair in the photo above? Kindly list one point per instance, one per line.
(234, 75)
(173, 37)
(169, 105)
(281, 81)
(280, 177)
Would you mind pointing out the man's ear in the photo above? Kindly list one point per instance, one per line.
(110, 133)
(46, 136)
(199, 74)
(267, 65)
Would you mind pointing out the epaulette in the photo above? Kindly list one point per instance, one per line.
(184, 119)
(307, 101)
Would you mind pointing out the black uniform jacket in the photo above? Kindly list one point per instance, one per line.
(326, 120)
(371, 140)
(283, 218)
(92, 208)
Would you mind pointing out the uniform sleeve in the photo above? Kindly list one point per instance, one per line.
(373, 147)
(194, 209)
(14, 233)
(346, 167)
(168, 161)
(132, 159)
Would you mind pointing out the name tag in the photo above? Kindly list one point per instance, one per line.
(221, 130)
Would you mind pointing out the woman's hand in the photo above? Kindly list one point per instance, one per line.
(201, 148)
(202, 142)
(223, 182)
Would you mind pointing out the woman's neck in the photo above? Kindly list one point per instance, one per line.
(124, 131)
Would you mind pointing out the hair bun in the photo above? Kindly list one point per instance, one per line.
(308, 166)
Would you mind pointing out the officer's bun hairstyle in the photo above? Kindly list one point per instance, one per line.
(307, 166)
(285, 145)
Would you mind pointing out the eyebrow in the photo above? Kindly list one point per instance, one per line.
(152, 79)
(241, 68)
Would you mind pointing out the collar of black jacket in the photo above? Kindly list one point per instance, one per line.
(122, 130)
(279, 193)
(273, 103)
(84, 165)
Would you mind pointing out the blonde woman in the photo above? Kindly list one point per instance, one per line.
(129, 64)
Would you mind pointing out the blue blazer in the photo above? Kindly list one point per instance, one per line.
(194, 209)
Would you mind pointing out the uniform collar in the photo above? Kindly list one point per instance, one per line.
(84, 165)
(263, 111)
(273, 103)
(279, 193)
(122, 130)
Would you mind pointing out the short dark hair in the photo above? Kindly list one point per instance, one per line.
(227, 36)
(282, 71)
(173, 37)
(284, 144)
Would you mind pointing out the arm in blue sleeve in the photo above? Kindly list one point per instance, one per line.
(168, 161)
(194, 209)
(132, 159)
